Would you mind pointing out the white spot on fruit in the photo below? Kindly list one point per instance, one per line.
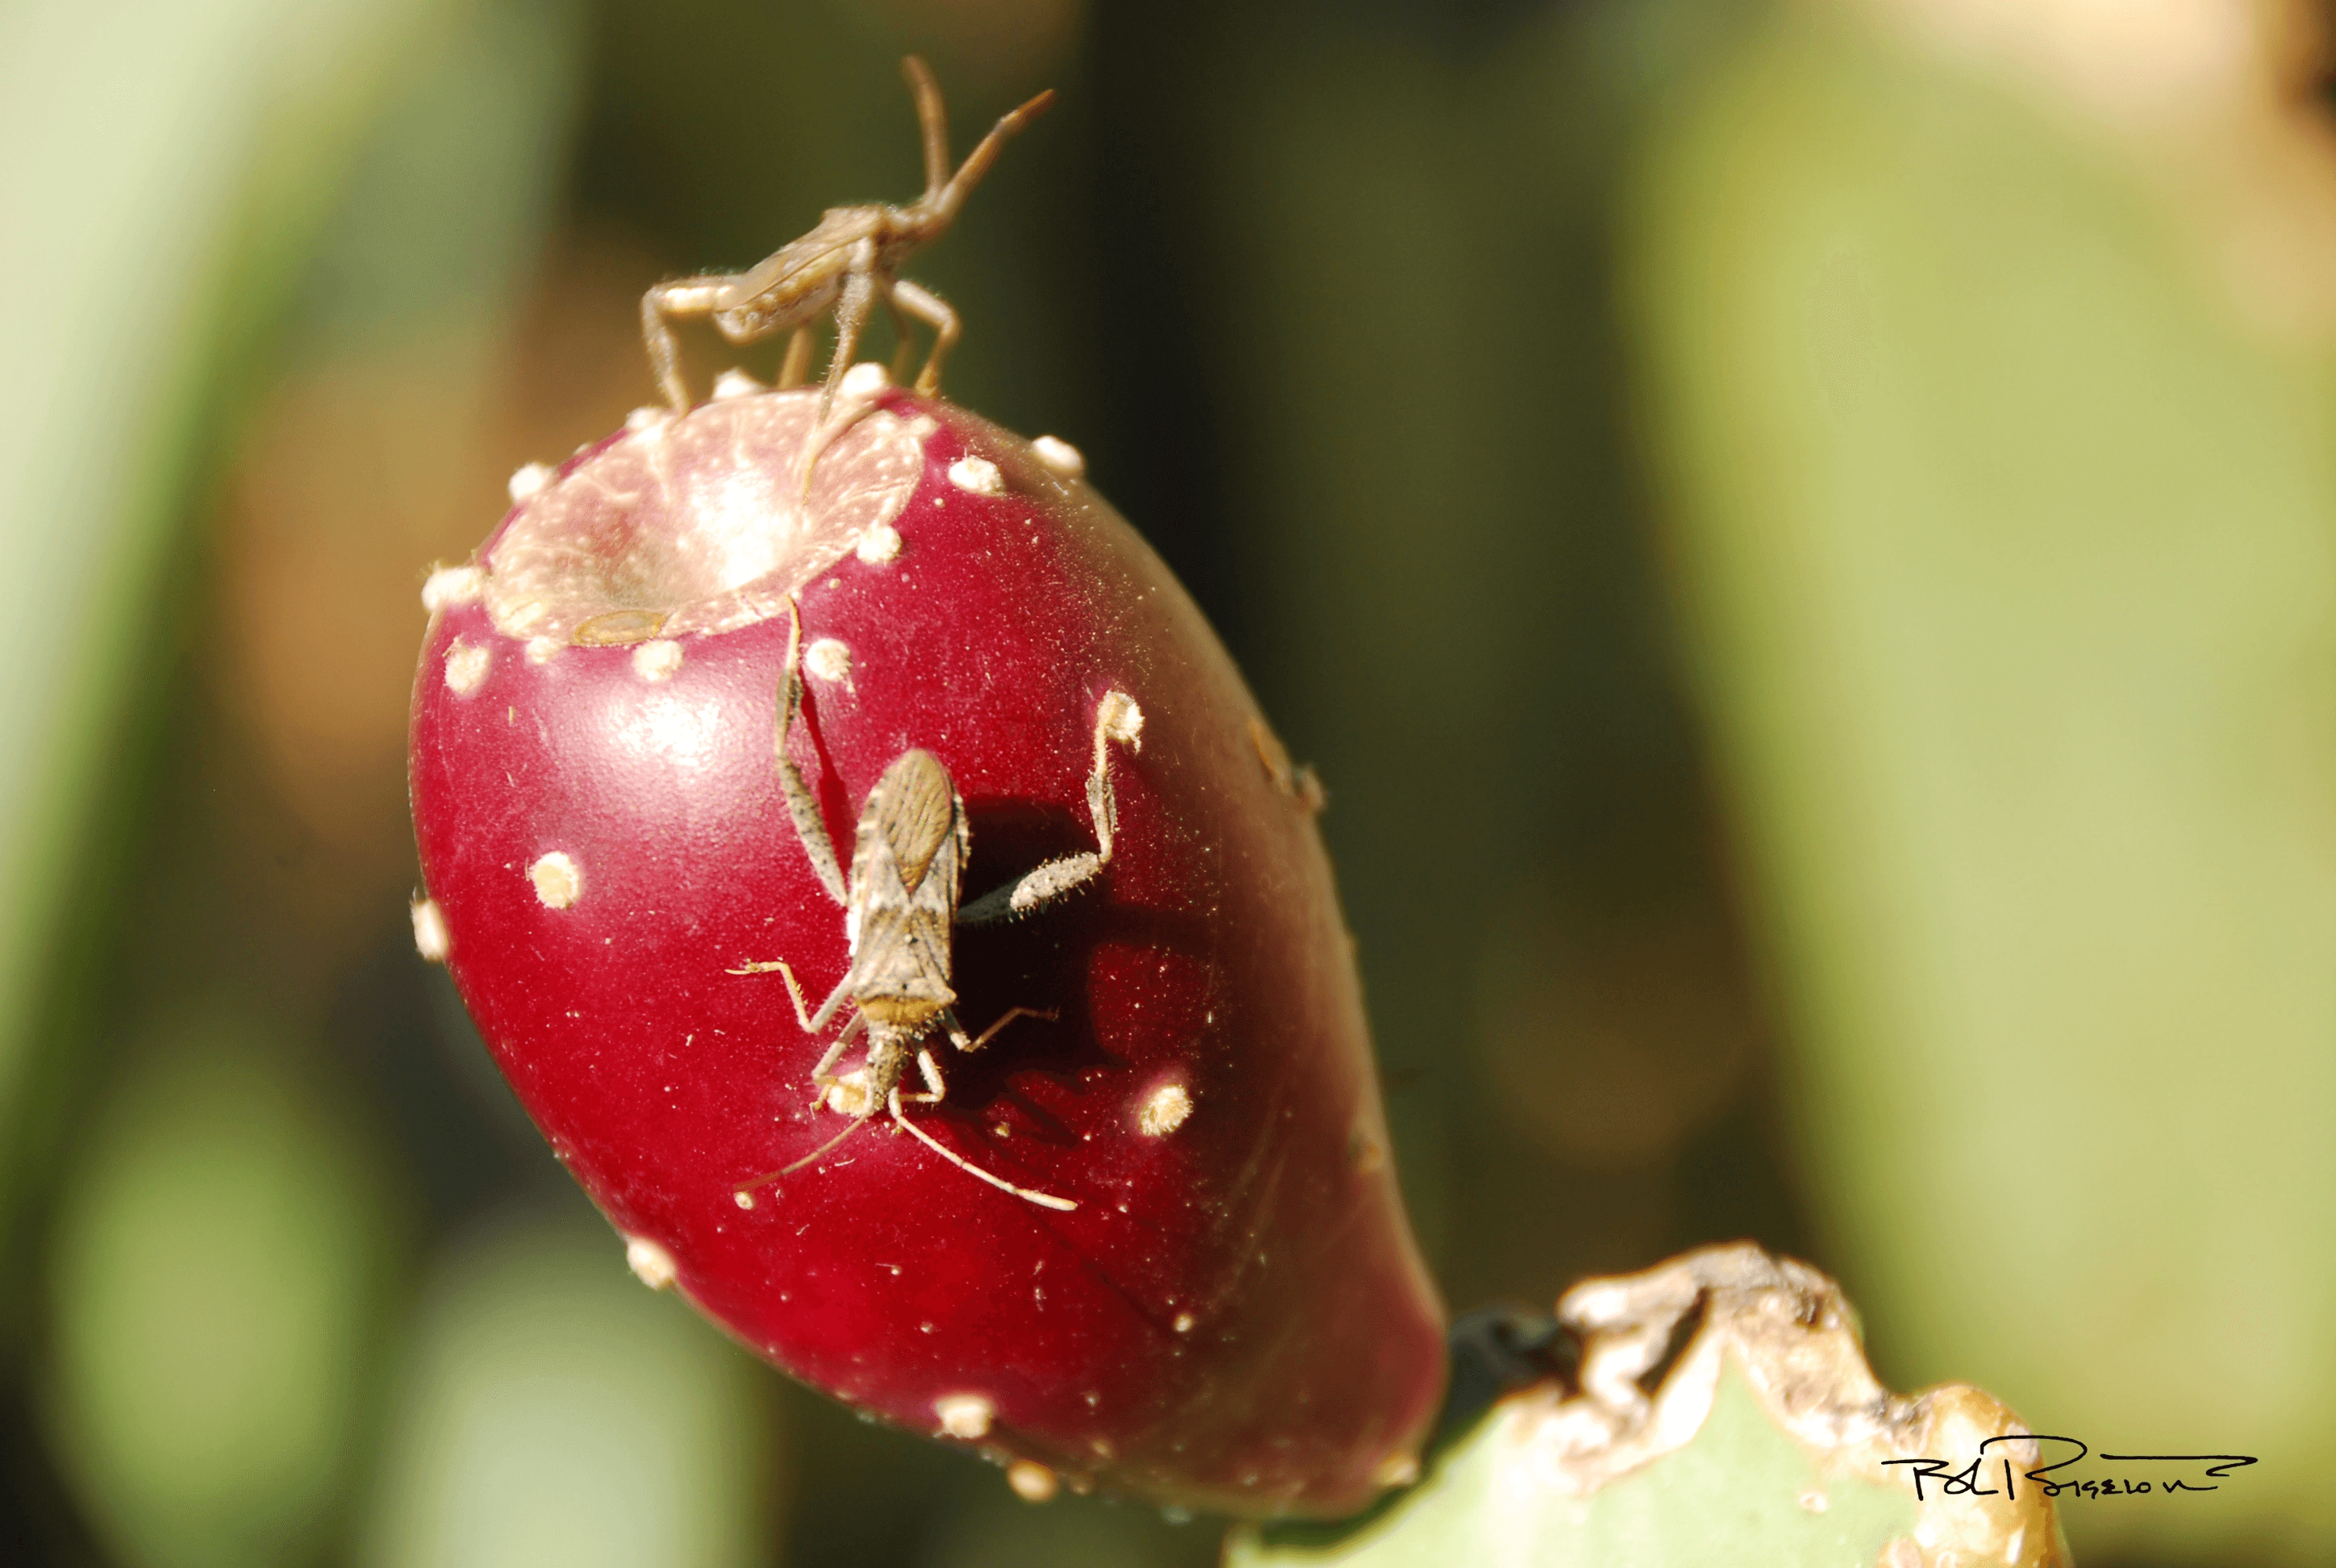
(657, 660)
(1814, 1502)
(1121, 719)
(451, 584)
(543, 649)
(745, 1200)
(977, 476)
(864, 380)
(829, 660)
(1183, 1322)
(1164, 1110)
(527, 481)
(1059, 456)
(650, 1263)
(734, 383)
(923, 426)
(1032, 1482)
(647, 418)
(557, 880)
(965, 1416)
(430, 938)
(466, 665)
(879, 544)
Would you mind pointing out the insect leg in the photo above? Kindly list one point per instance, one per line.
(812, 1022)
(801, 804)
(862, 282)
(936, 1091)
(958, 1035)
(1046, 1200)
(1117, 718)
(905, 348)
(935, 312)
(835, 1048)
(684, 296)
(852, 308)
(795, 369)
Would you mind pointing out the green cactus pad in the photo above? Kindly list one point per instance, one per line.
(1767, 1441)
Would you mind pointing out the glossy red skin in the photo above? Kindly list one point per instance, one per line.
(1211, 953)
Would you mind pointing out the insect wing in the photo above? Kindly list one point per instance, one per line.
(905, 868)
(910, 814)
(799, 279)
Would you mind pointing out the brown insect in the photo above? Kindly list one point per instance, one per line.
(849, 264)
(899, 911)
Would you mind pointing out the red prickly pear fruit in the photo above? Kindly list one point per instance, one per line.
(1233, 1315)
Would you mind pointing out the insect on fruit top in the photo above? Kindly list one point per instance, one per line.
(849, 264)
(1148, 1236)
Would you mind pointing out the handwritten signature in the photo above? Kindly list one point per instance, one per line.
(1970, 1481)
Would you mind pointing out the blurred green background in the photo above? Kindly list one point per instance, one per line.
(1801, 537)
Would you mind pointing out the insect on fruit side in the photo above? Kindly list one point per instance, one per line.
(899, 911)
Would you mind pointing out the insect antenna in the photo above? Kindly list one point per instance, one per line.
(856, 1124)
(944, 202)
(932, 120)
(1046, 1199)
(746, 1189)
